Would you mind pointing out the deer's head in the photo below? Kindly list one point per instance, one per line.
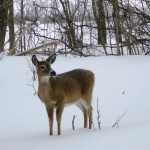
(44, 67)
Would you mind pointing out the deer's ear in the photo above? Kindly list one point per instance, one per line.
(51, 59)
(35, 60)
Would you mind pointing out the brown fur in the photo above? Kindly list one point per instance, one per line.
(65, 88)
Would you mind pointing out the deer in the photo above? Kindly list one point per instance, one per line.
(58, 91)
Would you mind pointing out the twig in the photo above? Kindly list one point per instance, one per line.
(98, 115)
(123, 92)
(93, 124)
(73, 122)
(118, 120)
(35, 92)
(32, 69)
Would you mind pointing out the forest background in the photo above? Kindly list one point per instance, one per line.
(80, 27)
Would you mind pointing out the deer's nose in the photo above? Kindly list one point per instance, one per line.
(52, 73)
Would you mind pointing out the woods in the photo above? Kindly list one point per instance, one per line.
(83, 27)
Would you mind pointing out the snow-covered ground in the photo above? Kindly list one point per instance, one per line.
(122, 83)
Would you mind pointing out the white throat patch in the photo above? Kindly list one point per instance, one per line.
(45, 79)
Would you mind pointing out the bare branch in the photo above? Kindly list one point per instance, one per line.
(118, 120)
(73, 122)
(38, 47)
(93, 124)
(35, 92)
(32, 69)
(98, 115)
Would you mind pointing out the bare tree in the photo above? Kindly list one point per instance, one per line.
(116, 18)
(99, 15)
(84, 27)
(100, 19)
(11, 27)
(21, 25)
(3, 22)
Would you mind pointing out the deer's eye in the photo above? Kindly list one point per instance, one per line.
(43, 67)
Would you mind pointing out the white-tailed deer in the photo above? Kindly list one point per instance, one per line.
(73, 87)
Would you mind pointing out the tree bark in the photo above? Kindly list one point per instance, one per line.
(117, 26)
(11, 27)
(99, 14)
(3, 22)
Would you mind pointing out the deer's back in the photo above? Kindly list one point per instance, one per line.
(74, 84)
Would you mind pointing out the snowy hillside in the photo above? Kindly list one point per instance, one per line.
(121, 83)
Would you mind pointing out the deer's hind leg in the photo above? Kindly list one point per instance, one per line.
(89, 110)
(85, 113)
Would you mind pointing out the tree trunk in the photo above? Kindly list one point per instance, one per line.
(117, 26)
(99, 14)
(21, 27)
(73, 41)
(11, 27)
(3, 22)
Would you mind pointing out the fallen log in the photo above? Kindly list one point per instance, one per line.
(55, 43)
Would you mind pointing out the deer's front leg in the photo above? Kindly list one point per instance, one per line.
(59, 112)
(50, 112)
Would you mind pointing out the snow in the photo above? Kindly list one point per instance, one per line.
(121, 83)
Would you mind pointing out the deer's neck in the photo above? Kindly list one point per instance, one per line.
(44, 80)
(43, 88)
